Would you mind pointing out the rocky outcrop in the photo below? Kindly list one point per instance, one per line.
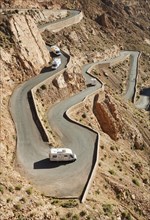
(102, 20)
(113, 123)
(32, 52)
(107, 116)
(69, 80)
(59, 82)
(138, 141)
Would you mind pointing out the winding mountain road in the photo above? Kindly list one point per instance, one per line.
(133, 71)
(62, 180)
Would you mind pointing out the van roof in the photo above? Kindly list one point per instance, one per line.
(54, 47)
(60, 150)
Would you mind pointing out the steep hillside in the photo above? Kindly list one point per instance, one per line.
(123, 168)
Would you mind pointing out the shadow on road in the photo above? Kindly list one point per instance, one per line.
(49, 68)
(145, 92)
(46, 69)
(36, 118)
(47, 164)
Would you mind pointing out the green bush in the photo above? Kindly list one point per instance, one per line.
(136, 182)
(10, 189)
(112, 172)
(43, 87)
(75, 217)
(1, 189)
(54, 202)
(17, 206)
(18, 187)
(84, 115)
(23, 200)
(8, 200)
(69, 214)
(126, 216)
(29, 191)
(107, 208)
(112, 148)
(82, 213)
(69, 204)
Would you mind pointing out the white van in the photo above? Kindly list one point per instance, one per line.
(56, 63)
(55, 50)
(93, 82)
(61, 154)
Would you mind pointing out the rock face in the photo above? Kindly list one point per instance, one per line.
(107, 116)
(113, 123)
(138, 143)
(33, 53)
(22, 55)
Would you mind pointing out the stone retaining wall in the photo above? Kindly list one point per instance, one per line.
(37, 116)
(68, 21)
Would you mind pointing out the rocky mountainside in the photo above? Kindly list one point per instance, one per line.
(123, 169)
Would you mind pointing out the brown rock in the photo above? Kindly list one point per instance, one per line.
(139, 142)
(102, 20)
(107, 116)
(32, 52)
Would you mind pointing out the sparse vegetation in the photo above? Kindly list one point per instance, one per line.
(17, 206)
(5, 40)
(84, 115)
(10, 188)
(75, 217)
(29, 191)
(102, 147)
(55, 201)
(126, 216)
(136, 182)
(8, 200)
(112, 148)
(43, 87)
(107, 208)
(69, 204)
(69, 214)
(82, 213)
(112, 172)
(1, 189)
(18, 187)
